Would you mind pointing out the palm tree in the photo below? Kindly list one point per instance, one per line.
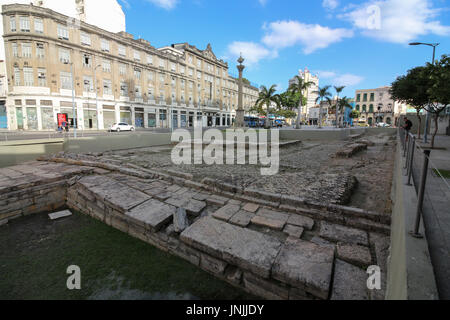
(342, 104)
(338, 91)
(299, 86)
(322, 93)
(266, 97)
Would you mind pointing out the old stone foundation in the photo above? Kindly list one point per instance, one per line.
(271, 245)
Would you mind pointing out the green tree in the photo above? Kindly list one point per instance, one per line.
(439, 90)
(266, 98)
(338, 91)
(355, 114)
(299, 87)
(322, 94)
(412, 89)
(342, 104)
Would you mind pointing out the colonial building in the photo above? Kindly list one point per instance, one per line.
(376, 106)
(115, 77)
(310, 94)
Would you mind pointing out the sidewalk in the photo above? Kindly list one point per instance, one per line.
(436, 212)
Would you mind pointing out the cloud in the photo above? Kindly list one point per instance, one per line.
(346, 79)
(165, 4)
(251, 51)
(330, 4)
(396, 21)
(312, 37)
(125, 4)
(263, 2)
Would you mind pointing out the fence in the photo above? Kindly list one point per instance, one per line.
(433, 194)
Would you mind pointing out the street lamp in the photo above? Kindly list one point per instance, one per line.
(96, 94)
(75, 117)
(434, 45)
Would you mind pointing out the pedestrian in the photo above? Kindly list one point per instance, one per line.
(407, 126)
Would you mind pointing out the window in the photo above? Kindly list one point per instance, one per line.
(15, 50)
(87, 60)
(88, 84)
(122, 69)
(173, 67)
(162, 63)
(123, 89)
(150, 76)
(64, 55)
(107, 87)
(105, 45)
(38, 25)
(122, 51)
(199, 64)
(150, 92)
(24, 24)
(63, 32)
(372, 97)
(85, 39)
(12, 23)
(137, 55)
(137, 73)
(40, 51)
(161, 79)
(138, 91)
(66, 80)
(199, 75)
(42, 78)
(149, 59)
(191, 72)
(16, 76)
(365, 97)
(364, 108)
(182, 70)
(106, 65)
(190, 59)
(26, 50)
(358, 97)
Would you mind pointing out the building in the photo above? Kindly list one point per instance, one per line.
(376, 106)
(116, 78)
(310, 93)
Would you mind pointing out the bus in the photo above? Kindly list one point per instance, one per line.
(251, 121)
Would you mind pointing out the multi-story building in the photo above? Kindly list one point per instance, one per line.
(376, 106)
(115, 77)
(310, 94)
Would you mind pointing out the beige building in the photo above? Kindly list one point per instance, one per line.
(376, 106)
(116, 78)
(310, 94)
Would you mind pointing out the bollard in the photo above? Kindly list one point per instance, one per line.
(411, 161)
(408, 146)
(404, 142)
(415, 233)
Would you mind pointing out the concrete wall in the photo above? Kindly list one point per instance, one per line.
(16, 152)
(410, 272)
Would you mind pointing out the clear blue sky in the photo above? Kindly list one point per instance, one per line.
(361, 44)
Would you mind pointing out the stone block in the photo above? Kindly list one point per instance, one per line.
(251, 207)
(343, 234)
(216, 200)
(271, 219)
(180, 220)
(152, 214)
(211, 264)
(354, 254)
(293, 231)
(226, 212)
(305, 265)
(244, 248)
(241, 218)
(266, 289)
(233, 274)
(192, 206)
(301, 221)
(349, 282)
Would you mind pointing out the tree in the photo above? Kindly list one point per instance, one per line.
(338, 91)
(341, 105)
(322, 94)
(355, 114)
(439, 90)
(298, 87)
(412, 89)
(266, 98)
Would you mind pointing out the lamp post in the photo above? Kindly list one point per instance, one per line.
(96, 95)
(434, 45)
(75, 118)
(240, 110)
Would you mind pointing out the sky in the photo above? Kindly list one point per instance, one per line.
(358, 44)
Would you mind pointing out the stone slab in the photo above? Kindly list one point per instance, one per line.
(226, 212)
(153, 214)
(180, 220)
(251, 207)
(344, 234)
(349, 282)
(245, 248)
(242, 218)
(60, 214)
(271, 219)
(305, 265)
(301, 221)
(293, 231)
(192, 206)
(354, 254)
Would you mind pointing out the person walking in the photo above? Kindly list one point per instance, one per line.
(407, 126)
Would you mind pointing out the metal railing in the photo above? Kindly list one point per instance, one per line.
(419, 168)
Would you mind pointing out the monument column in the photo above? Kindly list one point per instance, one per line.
(240, 111)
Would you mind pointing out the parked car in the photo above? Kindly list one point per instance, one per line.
(121, 127)
(383, 125)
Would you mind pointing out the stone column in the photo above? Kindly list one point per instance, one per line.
(240, 111)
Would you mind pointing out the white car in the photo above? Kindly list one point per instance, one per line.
(383, 125)
(121, 127)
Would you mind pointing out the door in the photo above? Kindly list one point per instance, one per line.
(139, 120)
(109, 118)
(19, 117)
(3, 118)
(151, 120)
